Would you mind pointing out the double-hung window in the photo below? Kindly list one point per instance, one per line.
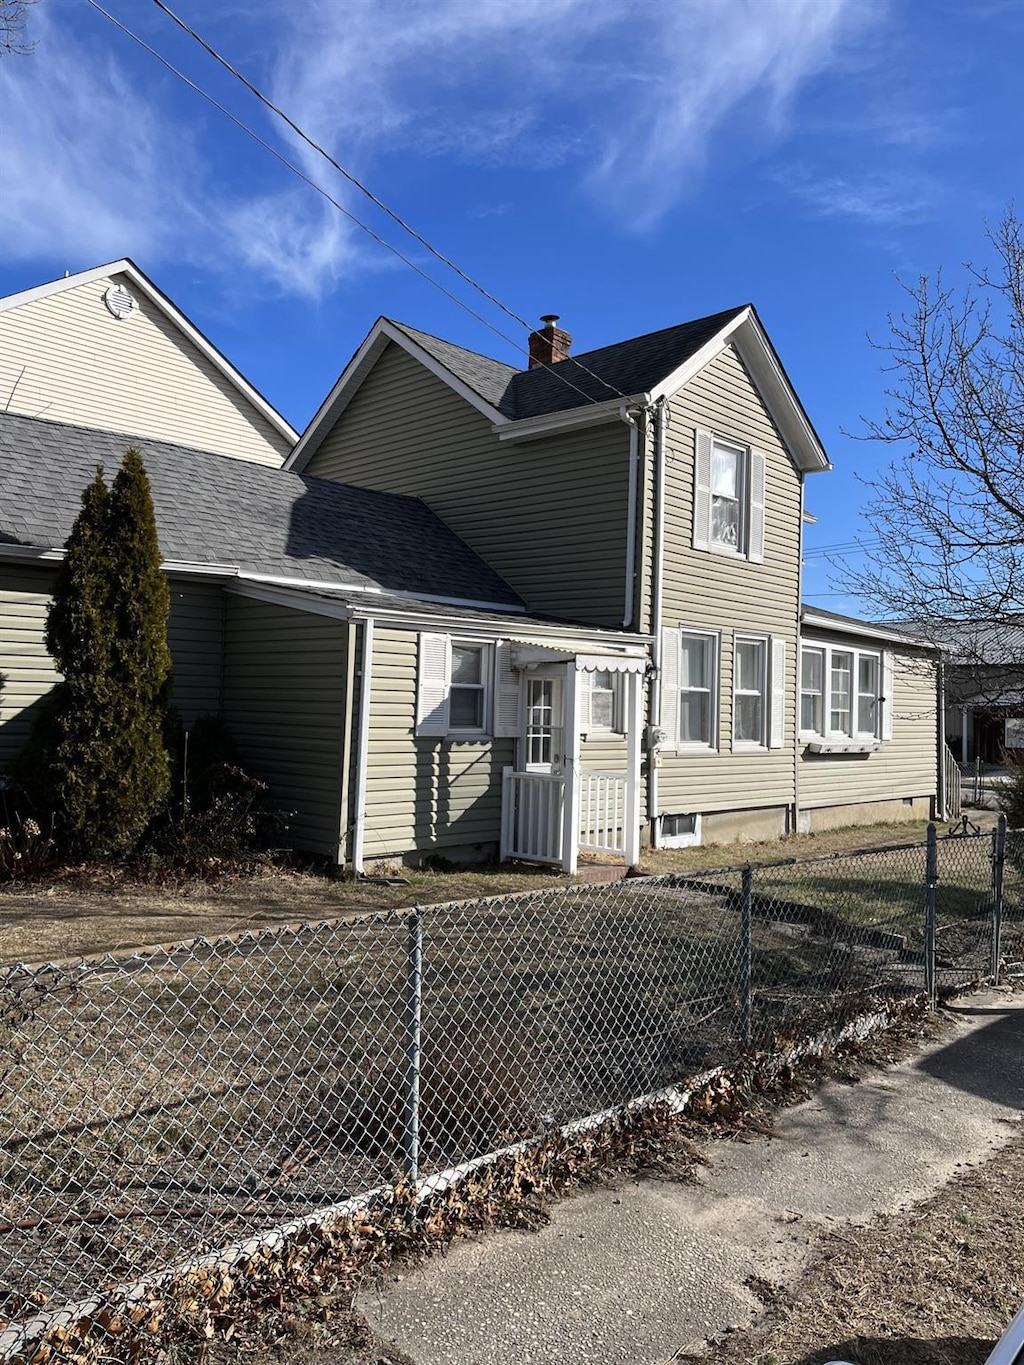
(455, 687)
(698, 657)
(468, 694)
(605, 702)
(728, 497)
(812, 690)
(841, 694)
(750, 686)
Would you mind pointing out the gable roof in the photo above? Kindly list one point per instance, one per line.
(591, 386)
(175, 316)
(216, 514)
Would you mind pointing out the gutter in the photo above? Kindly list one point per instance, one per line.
(657, 574)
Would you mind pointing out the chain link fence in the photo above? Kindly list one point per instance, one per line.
(166, 1103)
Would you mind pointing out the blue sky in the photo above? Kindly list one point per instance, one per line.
(626, 165)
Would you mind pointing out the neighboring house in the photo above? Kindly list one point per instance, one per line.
(984, 687)
(545, 613)
(107, 349)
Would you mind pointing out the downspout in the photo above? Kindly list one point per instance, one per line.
(365, 683)
(632, 417)
(657, 573)
(797, 665)
(347, 742)
(942, 795)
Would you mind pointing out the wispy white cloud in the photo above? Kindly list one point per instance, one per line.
(627, 101)
(875, 199)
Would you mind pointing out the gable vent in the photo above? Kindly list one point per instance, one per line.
(120, 302)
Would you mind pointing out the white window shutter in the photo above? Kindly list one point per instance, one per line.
(702, 490)
(669, 718)
(506, 693)
(887, 686)
(755, 524)
(777, 717)
(435, 666)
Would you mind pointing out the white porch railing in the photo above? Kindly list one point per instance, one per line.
(603, 817)
(532, 806)
(951, 785)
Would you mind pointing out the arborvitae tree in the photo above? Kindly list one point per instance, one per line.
(97, 758)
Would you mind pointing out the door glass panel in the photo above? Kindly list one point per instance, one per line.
(543, 723)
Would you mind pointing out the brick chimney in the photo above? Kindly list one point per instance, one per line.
(550, 344)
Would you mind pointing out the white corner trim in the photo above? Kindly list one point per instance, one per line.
(365, 687)
(170, 310)
(355, 372)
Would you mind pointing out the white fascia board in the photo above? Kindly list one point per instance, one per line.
(584, 641)
(758, 355)
(861, 629)
(170, 311)
(370, 590)
(21, 554)
(526, 428)
(291, 598)
(356, 371)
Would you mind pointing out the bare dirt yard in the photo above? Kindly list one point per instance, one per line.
(935, 1285)
(81, 912)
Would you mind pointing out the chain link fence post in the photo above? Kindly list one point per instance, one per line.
(413, 1045)
(998, 869)
(931, 877)
(746, 956)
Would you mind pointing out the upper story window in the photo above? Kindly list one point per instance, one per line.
(842, 694)
(728, 497)
(728, 477)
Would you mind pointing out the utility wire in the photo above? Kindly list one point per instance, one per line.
(320, 189)
(379, 203)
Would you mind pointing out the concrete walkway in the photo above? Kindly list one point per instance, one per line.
(638, 1273)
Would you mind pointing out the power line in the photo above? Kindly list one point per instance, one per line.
(374, 199)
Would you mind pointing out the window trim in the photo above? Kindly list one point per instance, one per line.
(485, 686)
(617, 729)
(821, 694)
(711, 744)
(854, 738)
(751, 480)
(746, 638)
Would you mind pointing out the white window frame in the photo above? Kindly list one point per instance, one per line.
(743, 638)
(713, 639)
(821, 695)
(588, 726)
(693, 839)
(434, 721)
(751, 476)
(854, 737)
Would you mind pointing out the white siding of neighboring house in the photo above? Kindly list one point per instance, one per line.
(65, 357)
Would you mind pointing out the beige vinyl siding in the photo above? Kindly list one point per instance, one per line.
(723, 593)
(603, 753)
(423, 794)
(284, 699)
(548, 514)
(27, 672)
(26, 669)
(195, 634)
(903, 766)
(65, 357)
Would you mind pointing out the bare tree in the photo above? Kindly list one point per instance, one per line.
(13, 14)
(949, 512)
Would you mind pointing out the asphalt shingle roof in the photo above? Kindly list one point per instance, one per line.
(623, 369)
(212, 509)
